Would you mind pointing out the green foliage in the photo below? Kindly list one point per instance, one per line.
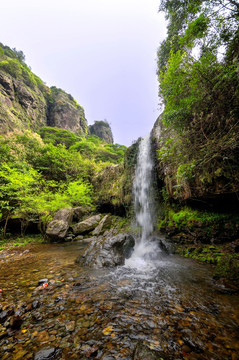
(12, 53)
(184, 218)
(11, 66)
(12, 62)
(227, 267)
(58, 136)
(40, 176)
(198, 85)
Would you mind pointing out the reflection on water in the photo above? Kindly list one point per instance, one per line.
(169, 304)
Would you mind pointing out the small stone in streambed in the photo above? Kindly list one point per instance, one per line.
(70, 326)
(36, 304)
(3, 316)
(42, 281)
(143, 352)
(186, 349)
(16, 322)
(45, 354)
(36, 316)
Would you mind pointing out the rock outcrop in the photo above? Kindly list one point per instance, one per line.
(210, 186)
(65, 113)
(21, 107)
(58, 227)
(107, 251)
(102, 129)
(26, 103)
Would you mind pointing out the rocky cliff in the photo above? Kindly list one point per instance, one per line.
(102, 130)
(27, 103)
(197, 172)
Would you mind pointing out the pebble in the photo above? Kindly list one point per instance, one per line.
(186, 349)
(44, 354)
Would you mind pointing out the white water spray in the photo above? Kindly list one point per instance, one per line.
(145, 250)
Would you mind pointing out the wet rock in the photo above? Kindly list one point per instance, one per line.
(3, 316)
(70, 326)
(103, 224)
(186, 349)
(3, 332)
(87, 225)
(58, 227)
(36, 304)
(45, 354)
(36, 316)
(108, 252)
(142, 352)
(16, 322)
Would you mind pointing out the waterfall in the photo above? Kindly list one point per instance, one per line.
(141, 189)
(146, 250)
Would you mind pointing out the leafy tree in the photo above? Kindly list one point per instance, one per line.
(16, 184)
(198, 84)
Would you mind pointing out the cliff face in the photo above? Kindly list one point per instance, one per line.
(202, 174)
(21, 107)
(27, 103)
(102, 130)
(65, 113)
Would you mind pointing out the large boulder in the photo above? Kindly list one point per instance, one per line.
(58, 227)
(103, 225)
(79, 212)
(87, 225)
(107, 252)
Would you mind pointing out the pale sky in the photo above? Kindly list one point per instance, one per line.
(102, 52)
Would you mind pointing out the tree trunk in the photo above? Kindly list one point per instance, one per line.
(5, 226)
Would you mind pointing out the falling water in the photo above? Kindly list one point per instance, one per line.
(141, 189)
(145, 250)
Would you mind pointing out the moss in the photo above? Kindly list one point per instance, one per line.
(203, 225)
(227, 267)
(226, 263)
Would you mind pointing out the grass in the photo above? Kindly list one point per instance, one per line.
(21, 241)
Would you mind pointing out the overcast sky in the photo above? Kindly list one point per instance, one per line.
(102, 52)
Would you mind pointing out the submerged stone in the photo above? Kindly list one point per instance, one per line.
(45, 354)
(142, 352)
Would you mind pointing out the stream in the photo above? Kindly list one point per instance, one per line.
(170, 306)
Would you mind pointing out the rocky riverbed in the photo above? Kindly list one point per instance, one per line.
(53, 308)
